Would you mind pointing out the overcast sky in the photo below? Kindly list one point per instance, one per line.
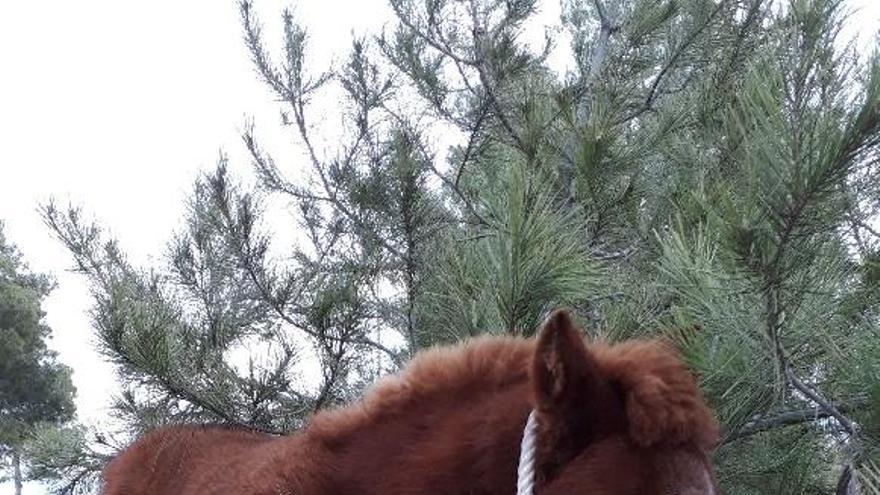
(117, 105)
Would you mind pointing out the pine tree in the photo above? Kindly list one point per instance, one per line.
(35, 389)
(707, 174)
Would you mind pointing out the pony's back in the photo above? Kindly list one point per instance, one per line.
(191, 459)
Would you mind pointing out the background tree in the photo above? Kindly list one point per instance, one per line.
(35, 390)
(708, 173)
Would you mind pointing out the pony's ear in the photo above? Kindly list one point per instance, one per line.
(573, 400)
(562, 365)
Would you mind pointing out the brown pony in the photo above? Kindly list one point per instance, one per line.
(626, 419)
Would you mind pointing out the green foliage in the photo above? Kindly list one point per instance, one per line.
(505, 275)
(64, 458)
(34, 388)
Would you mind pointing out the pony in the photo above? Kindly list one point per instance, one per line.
(622, 419)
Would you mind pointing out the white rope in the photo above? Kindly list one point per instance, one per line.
(525, 472)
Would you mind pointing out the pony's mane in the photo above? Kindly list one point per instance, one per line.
(480, 363)
(663, 403)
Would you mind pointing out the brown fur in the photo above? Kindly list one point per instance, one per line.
(614, 420)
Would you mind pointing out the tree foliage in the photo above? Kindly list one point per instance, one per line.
(708, 173)
(35, 389)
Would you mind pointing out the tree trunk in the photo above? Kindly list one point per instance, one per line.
(16, 466)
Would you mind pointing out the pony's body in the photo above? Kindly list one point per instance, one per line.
(451, 423)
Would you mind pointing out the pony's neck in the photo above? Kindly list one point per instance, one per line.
(450, 422)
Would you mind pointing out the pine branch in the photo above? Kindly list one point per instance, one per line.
(296, 96)
(782, 419)
(472, 138)
(823, 403)
(861, 135)
(774, 326)
(846, 483)
(860, 224)
(607, 28)
(441, 45)
(426, 155)
(481, 47)
(654, 90)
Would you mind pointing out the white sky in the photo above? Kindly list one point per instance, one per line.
(117, 105)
